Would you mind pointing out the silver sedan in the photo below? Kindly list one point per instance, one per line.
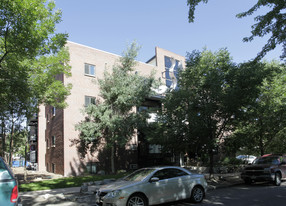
(154, 185)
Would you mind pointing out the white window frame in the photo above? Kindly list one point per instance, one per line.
(88, 69)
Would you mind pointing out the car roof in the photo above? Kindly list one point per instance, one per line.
(165, 167)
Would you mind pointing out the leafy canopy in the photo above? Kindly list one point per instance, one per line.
(33, 61)
(212, 92)
(264, 127)
(272, 24)
(31, 53)
(112, 119)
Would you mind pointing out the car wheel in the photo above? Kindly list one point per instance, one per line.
(198, 194)
(248, 181)
(277, 180)
(137, 200)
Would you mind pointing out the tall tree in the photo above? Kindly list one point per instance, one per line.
(264, 128)
(32, 54)
(212, 91)
(272, 24)
(112, 119)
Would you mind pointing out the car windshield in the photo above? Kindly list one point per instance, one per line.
(4, 174)
(267, 160)
(139, 175)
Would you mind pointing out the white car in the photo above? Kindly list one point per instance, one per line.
(154, 185)
(246, 158)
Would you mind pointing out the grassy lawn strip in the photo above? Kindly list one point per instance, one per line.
(64, 182)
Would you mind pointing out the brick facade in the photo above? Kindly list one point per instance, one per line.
(64, 156)
(54, 141)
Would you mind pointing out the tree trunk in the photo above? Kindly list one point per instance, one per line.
(25, 168)
(112, 160)
(3, 139)
(11, 144)
(261, 145)
(211, 156)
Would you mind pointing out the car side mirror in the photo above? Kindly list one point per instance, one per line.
(154, 179)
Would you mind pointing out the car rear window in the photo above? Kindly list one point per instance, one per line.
(268, 160)
(4, 173)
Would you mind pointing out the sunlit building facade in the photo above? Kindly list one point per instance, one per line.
(56, 148)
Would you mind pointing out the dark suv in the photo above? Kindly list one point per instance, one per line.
(8, 186)
(266, 168)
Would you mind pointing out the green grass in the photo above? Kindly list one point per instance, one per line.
(64, 182)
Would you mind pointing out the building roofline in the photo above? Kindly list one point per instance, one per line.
(106, 52)
(151, 59)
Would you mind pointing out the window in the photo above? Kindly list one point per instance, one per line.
(155, 149)
(54, 111)
(91, 167)
(53, 141)
(89, 100)
(4, 173)
(169, 173)
(89, 69)
(172, 67)
(53, 168)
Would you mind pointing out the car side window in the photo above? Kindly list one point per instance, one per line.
(161, 174)
(178, 173)
(169, 173)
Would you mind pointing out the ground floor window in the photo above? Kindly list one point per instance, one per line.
(155, 149)
(91, 167)
(53, 168)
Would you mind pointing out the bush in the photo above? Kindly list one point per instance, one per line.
(232, 161)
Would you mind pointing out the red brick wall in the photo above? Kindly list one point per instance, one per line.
(55, 153)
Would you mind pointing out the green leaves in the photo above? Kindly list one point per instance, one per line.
(27, 27)
(114, 120)
(33, 59)
(212, 96)
(265, 123)
(272, 24)
(192, 4)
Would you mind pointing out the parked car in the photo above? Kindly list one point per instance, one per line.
(8, 186)
(155, 185)
(248, 159)
(266, 168)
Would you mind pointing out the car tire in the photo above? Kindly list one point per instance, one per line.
(248, 181)
(197, 194)
(277, 180)
(137, 199)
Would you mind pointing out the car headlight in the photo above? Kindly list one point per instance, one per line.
(113, 194)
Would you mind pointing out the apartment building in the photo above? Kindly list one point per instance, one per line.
(56, 127)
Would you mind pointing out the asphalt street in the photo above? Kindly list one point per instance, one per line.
(258, 194)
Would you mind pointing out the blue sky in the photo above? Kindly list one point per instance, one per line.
(110, 25)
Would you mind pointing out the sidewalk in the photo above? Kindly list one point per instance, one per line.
(59, 197)
(73, 197)
(223, 180)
